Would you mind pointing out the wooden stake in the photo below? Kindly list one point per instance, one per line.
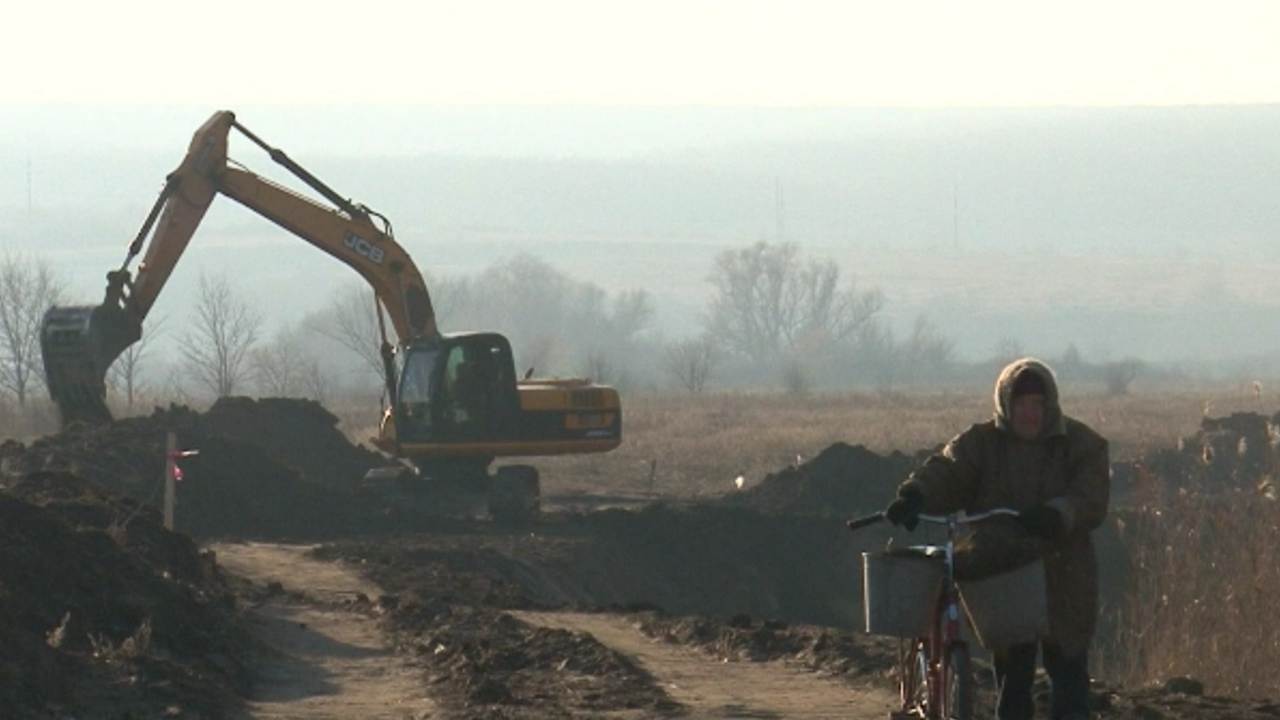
(170, 461)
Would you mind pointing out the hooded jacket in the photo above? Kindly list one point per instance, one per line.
(1066, 468)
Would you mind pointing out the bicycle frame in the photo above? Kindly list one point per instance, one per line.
(944, 628)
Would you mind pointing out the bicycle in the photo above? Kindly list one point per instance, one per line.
(935, 675)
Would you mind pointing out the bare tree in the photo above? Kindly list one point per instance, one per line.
(692, 362)
(350, 320)
(534, 355)
(223, 332)
(767, 299)
(315, 382)
(598, 367)
(450, 296)
(27, 289)
(177, 384)
(280, 365)
(796, 380)
(125, 375)
(1008, 349)
(610, 328)
(1120, 375)
(926, 352)
(631, 315)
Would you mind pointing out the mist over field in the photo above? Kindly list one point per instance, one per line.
(1151, 233)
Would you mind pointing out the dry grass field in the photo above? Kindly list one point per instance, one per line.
(1202, 596)
(697, 445)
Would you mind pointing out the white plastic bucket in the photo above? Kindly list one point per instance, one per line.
(899, 592)
(1008, 609)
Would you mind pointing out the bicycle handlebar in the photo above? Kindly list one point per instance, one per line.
(966, 519)
(960, 519)
(862, 522)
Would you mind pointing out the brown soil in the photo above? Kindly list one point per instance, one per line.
(1236, 452)
(842, 480)
(103, 612)
(863, 660)
(758, 577)
(708, 686)
(325, 655)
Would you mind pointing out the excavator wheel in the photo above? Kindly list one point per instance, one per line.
(515, 495)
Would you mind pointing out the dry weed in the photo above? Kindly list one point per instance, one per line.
(1202, 594)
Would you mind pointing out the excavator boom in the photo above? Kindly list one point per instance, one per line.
(79, 343)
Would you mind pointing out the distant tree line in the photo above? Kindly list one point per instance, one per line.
(775, 318)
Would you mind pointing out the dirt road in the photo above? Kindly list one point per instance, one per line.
(709, 688)
(325, 659)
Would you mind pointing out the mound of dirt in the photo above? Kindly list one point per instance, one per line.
(299, 434)
(842, 480)
(104, 611)
(266, 468)
(1237, 452)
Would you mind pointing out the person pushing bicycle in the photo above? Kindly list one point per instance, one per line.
(1055, 471)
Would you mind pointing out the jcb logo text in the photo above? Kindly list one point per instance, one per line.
(363, 247)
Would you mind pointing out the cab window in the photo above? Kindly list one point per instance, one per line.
(416, 384)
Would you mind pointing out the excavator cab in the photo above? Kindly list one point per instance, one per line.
(459, 390)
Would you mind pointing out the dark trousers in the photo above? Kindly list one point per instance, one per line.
(1016, 670)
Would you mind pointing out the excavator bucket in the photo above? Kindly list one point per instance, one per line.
(78, 344)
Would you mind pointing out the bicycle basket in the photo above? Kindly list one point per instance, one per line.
(1008, 609)
(899, 591)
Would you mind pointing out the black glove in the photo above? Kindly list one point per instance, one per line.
(905, 511)
(1042, 521)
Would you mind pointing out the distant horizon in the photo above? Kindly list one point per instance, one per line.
(506, 131)
(931, 206)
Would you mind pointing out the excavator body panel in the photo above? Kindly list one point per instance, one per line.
(459, 397)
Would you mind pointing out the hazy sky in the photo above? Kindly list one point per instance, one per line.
(100, 99)
(656, 52)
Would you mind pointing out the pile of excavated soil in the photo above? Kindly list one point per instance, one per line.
(299, 434)
(103, 612)
(269, 468)
(842, 480)
(100, 606)
(1237, 452)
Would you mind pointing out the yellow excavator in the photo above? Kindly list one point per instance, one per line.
(454, 401)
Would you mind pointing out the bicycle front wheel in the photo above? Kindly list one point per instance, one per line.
(957, 674)
(913, 677)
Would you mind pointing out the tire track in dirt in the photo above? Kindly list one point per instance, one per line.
(708, 688)
(324, 660)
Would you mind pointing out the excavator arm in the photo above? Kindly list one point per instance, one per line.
(80, 343)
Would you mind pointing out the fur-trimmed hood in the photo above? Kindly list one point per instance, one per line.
(1054, 424)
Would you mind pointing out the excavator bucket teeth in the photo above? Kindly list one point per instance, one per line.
(78, 344)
